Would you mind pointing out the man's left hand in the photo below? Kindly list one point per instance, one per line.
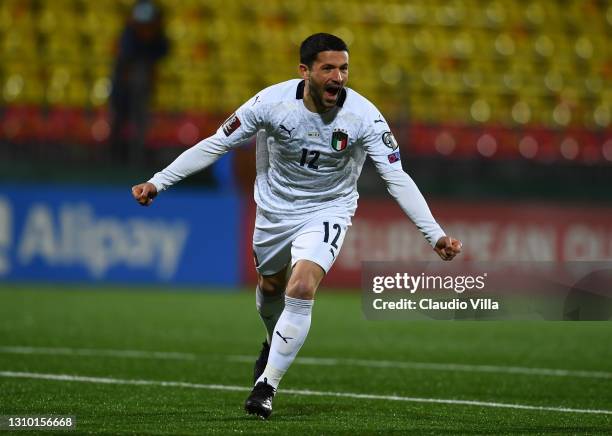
(447, 247)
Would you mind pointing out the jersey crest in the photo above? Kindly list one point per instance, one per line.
(339, 139)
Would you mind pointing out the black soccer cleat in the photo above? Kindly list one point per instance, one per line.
(260, 401)
(261, 362)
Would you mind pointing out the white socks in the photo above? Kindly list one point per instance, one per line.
(270, 307)
(289, 335)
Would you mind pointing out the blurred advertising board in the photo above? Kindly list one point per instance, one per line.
(490, 232)
(63, 234)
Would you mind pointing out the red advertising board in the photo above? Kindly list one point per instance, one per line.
(490, 231)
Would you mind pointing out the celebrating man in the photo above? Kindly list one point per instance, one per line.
(313, 136)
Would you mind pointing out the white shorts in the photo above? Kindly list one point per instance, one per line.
(278, 244)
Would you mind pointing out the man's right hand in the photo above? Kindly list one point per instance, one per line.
(144, 193)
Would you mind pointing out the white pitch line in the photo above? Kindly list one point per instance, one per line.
(215, 387)
(427, 366)
(430, 366)
(134, 354)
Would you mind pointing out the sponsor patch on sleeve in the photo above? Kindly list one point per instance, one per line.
(394, 157)
(230, 125)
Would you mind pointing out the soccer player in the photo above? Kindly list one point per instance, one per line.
(313, 136)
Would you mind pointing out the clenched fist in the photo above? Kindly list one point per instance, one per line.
(447, 247)
(144, 193)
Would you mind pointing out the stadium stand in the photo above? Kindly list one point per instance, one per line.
(497, 79)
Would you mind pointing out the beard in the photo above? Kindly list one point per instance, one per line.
(317, 93)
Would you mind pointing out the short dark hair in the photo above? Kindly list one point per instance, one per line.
(317, 43)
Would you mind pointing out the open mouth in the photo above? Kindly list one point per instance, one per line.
(332, 91)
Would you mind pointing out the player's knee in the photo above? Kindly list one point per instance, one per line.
(303, 289)
(271, 286)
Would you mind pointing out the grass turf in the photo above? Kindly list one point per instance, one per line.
(217, 325)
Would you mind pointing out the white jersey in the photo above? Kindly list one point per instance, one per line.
(309, 162)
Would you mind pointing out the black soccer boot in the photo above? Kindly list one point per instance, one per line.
(261, 362)
(260, 401)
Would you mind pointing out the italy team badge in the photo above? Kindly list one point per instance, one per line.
(339, 139)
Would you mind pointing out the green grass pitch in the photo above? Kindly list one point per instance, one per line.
(100, 333)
